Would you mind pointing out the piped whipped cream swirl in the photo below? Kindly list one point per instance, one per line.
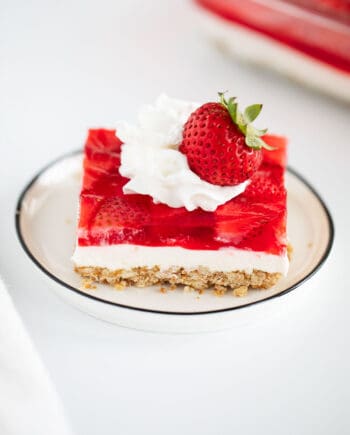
(151, 160)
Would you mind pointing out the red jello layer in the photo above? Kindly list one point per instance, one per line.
(324, 39)
(255, 220)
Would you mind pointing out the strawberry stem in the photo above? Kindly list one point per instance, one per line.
(243, 122)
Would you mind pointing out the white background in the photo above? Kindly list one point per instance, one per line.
(68, 65)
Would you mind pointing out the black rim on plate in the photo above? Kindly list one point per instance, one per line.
(148, 310)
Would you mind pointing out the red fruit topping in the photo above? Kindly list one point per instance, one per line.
(104, 140)
(102, 157)
(254, 220)
(115, 212)
(265, 185)
(278, 155)
(221, 145)
(239, 223)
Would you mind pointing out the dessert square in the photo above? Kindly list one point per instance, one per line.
(126, 239)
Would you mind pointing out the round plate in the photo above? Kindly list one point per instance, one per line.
(46, 224)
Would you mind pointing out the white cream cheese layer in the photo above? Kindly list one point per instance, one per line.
(151, 160)
(127, 256)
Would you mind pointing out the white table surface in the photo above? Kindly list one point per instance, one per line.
(66, 66)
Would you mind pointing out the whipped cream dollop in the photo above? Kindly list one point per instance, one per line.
(151, 160)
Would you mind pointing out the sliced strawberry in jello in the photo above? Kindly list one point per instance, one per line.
(255, 220)
(100, 183)
(175, 217)
(179, 227)
(266, 186)
(103, 140)
(243, 223)
(118, 219)
(278, 155)
(102, 157)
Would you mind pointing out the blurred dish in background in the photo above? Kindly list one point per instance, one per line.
(308, 41)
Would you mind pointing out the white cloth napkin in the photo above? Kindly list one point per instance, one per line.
(29, 404)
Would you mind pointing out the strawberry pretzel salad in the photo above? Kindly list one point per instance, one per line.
(191, 195)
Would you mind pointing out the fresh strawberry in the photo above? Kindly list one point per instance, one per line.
(221, 145)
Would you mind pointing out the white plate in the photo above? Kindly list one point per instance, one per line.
(46, 222)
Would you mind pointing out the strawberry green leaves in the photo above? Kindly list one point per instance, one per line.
(253, 139)
(252, 112)
(244, 120)
(254, 142)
